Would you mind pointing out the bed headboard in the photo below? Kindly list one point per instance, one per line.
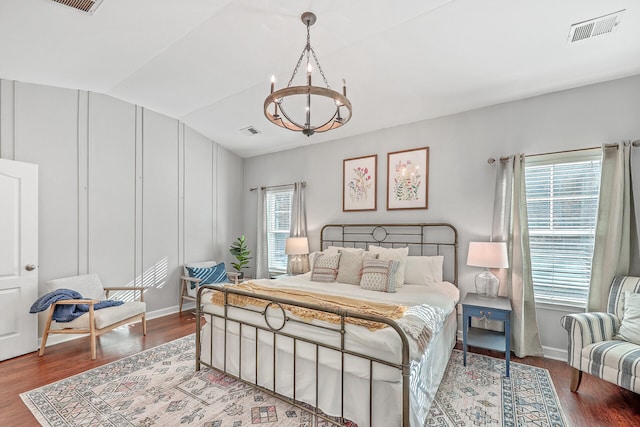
(421, 239)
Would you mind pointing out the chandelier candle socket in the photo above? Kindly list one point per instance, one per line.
(487, 255)
(284, 112)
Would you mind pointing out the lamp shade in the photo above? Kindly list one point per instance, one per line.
(296, 246)
(488, 255)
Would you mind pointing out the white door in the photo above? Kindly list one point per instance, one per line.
(18, 257)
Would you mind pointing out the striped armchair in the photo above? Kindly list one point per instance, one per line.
(593, 349)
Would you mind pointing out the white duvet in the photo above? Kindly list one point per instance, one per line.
(384, 344)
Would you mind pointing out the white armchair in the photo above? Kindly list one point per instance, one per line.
(592, 347)
(94, 322)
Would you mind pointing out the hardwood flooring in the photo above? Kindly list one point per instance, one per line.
(598, 403)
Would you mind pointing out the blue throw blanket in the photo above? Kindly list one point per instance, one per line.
(67, 312)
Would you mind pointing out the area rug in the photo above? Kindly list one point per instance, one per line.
(480, 395)
(159, 387)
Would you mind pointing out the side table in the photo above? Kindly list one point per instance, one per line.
(490, 309)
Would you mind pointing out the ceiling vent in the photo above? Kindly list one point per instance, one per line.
(88, 6)
(249, 131)
(606, 24)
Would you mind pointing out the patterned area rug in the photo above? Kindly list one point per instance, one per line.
(479, 395)
(159, 387)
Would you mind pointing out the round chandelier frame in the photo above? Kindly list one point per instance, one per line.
(273, 104)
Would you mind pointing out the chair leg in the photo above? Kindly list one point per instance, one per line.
(182, 289)
(92, 332)
(45, 335)
(144, 324)
(576, 379)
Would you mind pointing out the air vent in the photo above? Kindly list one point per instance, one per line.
(606, 24)
(249, 131)
(88, 6)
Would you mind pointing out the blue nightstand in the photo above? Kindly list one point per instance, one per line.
(491, 309)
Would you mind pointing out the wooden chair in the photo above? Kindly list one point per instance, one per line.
(95, 322)
(189, 285)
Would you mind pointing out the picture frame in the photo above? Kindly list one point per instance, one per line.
(360, 184)
(408, 179)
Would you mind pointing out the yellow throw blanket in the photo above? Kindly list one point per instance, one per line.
(389, 311)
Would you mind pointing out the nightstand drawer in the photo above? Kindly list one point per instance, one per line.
(488, 313)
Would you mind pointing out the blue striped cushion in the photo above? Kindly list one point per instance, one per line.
(215, 274)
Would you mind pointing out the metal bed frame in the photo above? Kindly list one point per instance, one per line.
(422, 239)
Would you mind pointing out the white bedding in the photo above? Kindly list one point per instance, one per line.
(426, 367)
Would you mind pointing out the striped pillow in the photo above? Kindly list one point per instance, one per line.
(325, 268)
(215, 274)
(379, 275)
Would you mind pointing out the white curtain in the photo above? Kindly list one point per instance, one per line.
(612, 246)
(262, 255)
(299, 217)
(510, 224)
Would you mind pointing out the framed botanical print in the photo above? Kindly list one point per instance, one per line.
(408, 179)
(359, 183)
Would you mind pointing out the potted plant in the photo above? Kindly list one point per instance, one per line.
(239, 250)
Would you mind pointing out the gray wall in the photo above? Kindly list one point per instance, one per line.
(124, 192)
(461, 183)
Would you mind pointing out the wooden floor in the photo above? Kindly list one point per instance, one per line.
(598, 403)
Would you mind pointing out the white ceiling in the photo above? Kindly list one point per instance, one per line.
(208, 62)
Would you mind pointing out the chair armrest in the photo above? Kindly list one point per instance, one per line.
(585, 329)
(108, 289)
(76, 301)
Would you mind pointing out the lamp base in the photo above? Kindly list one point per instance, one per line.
(296, 265)
(487, 285)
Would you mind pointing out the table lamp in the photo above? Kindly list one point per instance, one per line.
(487, 255)
(296, 246)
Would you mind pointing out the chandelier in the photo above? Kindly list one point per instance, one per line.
(290, 107)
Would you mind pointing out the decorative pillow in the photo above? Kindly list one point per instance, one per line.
(630, 326)
(350, 268)
(379, 275)
(325, 267)
(215, 274)
(394, 254)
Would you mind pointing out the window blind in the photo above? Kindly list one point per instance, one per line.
(279, 204)
(562, 206)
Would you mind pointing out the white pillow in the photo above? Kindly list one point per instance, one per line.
(332, 250)
(630, 326)
(423, 270)
(393, 254)
(437, 263)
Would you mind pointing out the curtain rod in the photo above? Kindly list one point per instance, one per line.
(635, 143)
(269, 187)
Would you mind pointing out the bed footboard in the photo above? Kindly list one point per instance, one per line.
(242, 324)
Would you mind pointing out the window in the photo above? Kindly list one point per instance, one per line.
(278, 211)
(562, 205)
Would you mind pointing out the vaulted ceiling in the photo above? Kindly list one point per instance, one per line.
(208, 62)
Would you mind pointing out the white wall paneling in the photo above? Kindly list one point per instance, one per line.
(46, 133)
(199, 173)
(115, 196)
(7, 101)
(112, 197)
(461, 183)
(230, 195)
(160, 208)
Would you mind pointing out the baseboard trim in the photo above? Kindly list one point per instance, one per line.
(60, 338)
